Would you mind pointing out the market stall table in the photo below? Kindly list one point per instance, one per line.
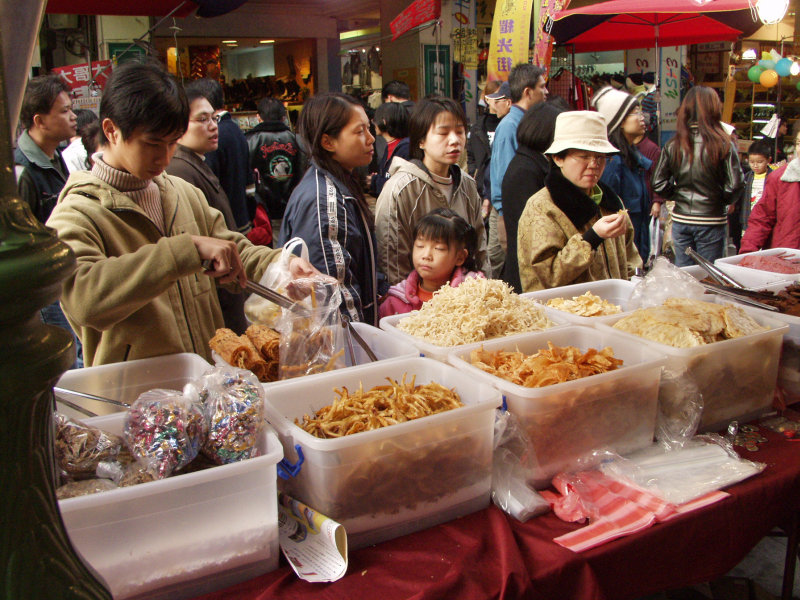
(490, 555)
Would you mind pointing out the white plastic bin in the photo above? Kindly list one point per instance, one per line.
(736, 377)
(185, 535)
(389, 324)
(755, 278)
(616, 291)
(389, 482)
(565, 421)
(124, 381)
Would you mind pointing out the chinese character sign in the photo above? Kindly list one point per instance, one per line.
(419, 12)
(543, 49)
(670, 79)
(437, 70)
(510, 37)
(77, 77)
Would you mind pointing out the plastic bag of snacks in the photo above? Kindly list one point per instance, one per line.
(233, 404)
(277, 277)
(313, 343)
(79, 448)
(164, 430)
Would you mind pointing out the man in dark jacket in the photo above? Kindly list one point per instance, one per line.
(275, 154)
(48, 120)
(229, 162)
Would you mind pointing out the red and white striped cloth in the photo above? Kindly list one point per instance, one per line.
(614, 508)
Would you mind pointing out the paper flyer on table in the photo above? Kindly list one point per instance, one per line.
(314, 545)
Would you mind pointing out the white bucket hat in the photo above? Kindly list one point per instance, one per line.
(581, 130)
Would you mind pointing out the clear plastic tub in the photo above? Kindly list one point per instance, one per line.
(565, 421)
(616, 291)
(389, 324)
(124, 381)
(389, 482)
(182, 536)
(736, 377)
(754, 278)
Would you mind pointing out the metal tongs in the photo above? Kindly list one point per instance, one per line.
(739, 297)
(716, 273)
(352, 334)
(277, 298)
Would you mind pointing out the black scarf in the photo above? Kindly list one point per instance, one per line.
(573, 201)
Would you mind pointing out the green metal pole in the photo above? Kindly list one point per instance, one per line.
(38, 560)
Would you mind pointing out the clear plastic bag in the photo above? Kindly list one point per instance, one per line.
(80, 447)
(663, 281)
(680, 407)
(233, 403)
(164, 430)
(511, 463)
(276, 277)
(315, 343)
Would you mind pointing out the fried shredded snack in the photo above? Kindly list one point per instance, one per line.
(686, 323)
(476, 310)
(554, 365)
(585, 305)
(381, 406)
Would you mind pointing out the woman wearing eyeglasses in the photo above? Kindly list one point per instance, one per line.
(573, 230)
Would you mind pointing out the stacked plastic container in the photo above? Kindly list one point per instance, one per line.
(615, 291)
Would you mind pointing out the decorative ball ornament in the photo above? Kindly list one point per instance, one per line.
(783, 67)
(768, 78)
(798, 86)
(754, 73)
(767, 63)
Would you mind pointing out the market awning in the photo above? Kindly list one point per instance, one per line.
(622, 24)
(148, 8)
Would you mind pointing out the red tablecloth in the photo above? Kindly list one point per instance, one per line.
(490, 555)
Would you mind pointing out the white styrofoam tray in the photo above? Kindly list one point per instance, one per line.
(388, 482)
(566, 421)
(754, 278)
(615, 291)
(185, 535)
(736, 377)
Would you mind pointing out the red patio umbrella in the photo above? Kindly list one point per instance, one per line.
(625, 24)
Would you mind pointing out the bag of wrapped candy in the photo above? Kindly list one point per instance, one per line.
(233, 404)
(79, 447)
(164, 430)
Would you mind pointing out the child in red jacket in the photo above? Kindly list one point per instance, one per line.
(444, 251)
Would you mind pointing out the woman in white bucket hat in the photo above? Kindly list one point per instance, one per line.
(573, 230)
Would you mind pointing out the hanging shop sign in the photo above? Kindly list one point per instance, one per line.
(465, 52)
(437, 69)
(78, 77)
(510, 39)
(420, 11)
(465, 47)
(122, 52)
(670, 77)
(543, 49)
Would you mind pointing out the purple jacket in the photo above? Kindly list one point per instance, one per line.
(403, 297)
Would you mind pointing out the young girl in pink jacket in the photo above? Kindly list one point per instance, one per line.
(444, 252)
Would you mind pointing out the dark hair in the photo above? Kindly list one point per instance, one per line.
(445, 225)
(144, 95)
(760, 147)
(193, 91)
(538, 125)
(423, 118)
(396, 88)
(90, 138)
(701, 107)
(329, 113)
(40, 94)
(636, 79)
(85, 118)
(211, 90)
(271, 109)
(392, 118)
(523, 76)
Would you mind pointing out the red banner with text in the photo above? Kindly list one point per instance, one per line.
(420, 11)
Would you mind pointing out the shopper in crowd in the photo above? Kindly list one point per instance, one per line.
(774, 218)
(230, 161)
(431, 179)
(90, 138)
(328, 208)
(527, 87)
(626, 172)
(445, 247)
(75, 155)
(391, 123)
(650, 108)
(759, 159)
(526, 174)
(278, 160)
(201, 137)
(140, 236)
(574, 229)
(699, 169)
(398, 91)
(47, 120)
(479, 145)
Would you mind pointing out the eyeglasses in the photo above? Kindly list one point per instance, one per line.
(205, 119)
(586, 159)
(636, 112)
